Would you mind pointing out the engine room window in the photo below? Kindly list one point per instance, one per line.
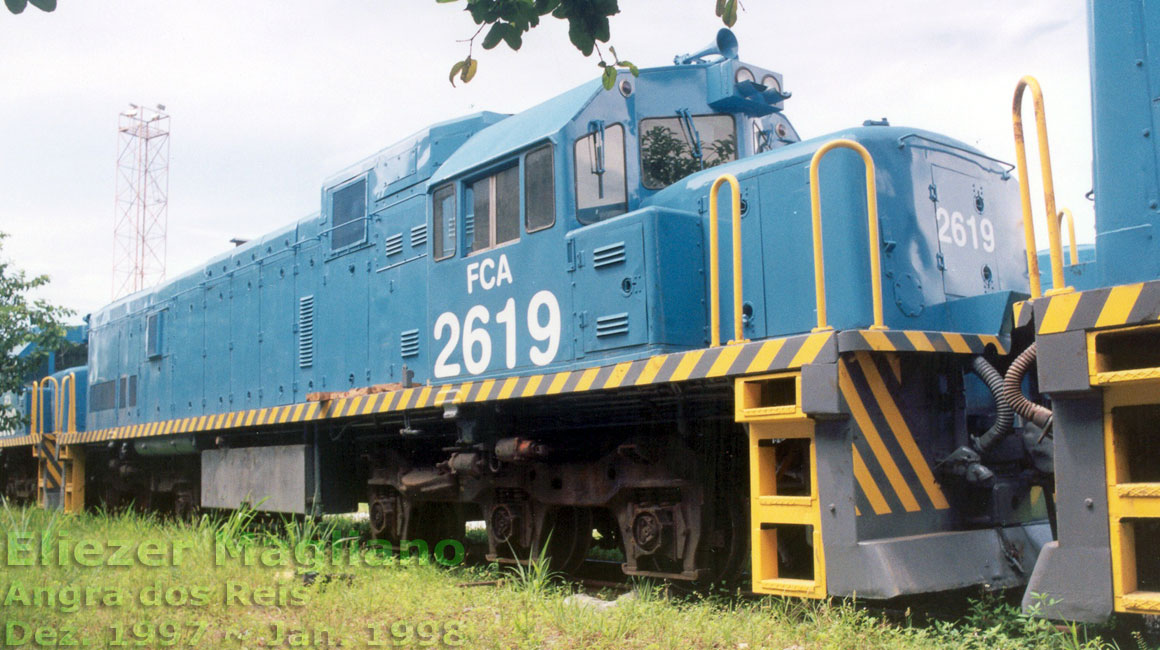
(444, 222)
(600, 181)
(539, 189)
(348, 215)
(493, 205)
(671, 148)
(153, 336)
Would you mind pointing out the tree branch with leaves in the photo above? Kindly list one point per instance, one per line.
(506, 21)
(31, 329)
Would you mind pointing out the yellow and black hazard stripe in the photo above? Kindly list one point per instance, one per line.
(1022, 313)
(51, 471)
(17, 441)
(890, 470)
(730, 360)
(919, 341)
(1126, 304)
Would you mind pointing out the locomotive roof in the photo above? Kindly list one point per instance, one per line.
(517, 132)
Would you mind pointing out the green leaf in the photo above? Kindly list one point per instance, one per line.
(720, 8)
(630, 67)
(580, 38)
(513, 37)
(455, 69)
(469, 73)
(609, 78)
(16, 6)
(443, 2)
(730, 15)
(494, 35)
(43, 5)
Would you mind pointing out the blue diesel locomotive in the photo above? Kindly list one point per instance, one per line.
(519, 319)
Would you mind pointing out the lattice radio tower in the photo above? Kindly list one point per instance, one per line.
(142, 205)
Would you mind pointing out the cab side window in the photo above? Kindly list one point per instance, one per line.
(539, 189)
(493, 205)
(444, 222)
(348, 215)
(601, 190)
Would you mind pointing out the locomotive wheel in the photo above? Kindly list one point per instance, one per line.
(185, 505)
(728, 542)
(568, 531)
(386, 514)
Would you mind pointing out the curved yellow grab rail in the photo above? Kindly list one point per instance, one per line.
(1073, 257)
(1056, 249)
(715, 260)
(55, 403)
(34, 418)
(70, 425)
(872, 217)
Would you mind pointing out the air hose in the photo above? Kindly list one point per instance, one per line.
(1013, 391)
(1004, 415)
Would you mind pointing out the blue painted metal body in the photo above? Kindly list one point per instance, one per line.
(352, 295)
(76, 335)
(1125, 77)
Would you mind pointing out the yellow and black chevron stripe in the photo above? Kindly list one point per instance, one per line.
(726, 361)
(1126, 304)
(740, 359)
(1022, 313)
(17, 441)
(891, 472)
(51, 471)
(918, 341)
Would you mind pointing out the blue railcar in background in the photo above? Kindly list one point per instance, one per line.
(518, 319)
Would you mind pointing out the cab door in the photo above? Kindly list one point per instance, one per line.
(498, 292)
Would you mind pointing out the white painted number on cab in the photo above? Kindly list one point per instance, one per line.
(952, 229)
(471, 336)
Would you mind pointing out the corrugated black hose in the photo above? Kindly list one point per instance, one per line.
(1013, 390)
(1004, 414)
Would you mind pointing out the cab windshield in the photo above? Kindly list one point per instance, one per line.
(674, 147)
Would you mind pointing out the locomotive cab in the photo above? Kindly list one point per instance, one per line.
(548, 189)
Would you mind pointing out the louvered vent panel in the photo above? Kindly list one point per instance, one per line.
(419, 236)
(612, 324)
(608, 255)
(395, 244)
(305, 331)
(409, 343)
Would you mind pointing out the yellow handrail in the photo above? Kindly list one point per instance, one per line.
(1073, 259)
(872, 216)
(55, 402)
(70, 424)
(714, 262)
(35, 407)
(1056, 249)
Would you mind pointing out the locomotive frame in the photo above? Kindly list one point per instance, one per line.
(886, 451)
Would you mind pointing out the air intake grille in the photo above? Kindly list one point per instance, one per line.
(305, 331)
(419, 236)
(608, 255)
(409, 343)
(395, 244)
(612, 324)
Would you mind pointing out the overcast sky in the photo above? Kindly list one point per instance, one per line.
(269, 97)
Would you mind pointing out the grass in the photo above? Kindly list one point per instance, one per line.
(231, 605)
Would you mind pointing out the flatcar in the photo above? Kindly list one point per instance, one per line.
(656, 314)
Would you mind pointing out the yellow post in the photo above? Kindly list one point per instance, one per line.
(1073, 258)
(34, 407)
(69, 424)
(55, 403)
(872, 216)
(1055, 247)
(714, 262)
